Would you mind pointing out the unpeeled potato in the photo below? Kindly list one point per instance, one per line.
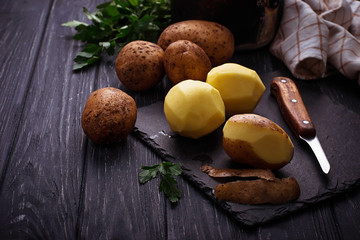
(109, 115)
(257, 141)
(215, 39)
(185, 60)
(139, 65)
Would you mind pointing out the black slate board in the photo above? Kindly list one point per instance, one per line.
(337, 129)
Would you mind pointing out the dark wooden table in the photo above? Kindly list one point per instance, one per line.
(56, 184)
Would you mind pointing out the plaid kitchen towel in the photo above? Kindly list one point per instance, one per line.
(316, 37)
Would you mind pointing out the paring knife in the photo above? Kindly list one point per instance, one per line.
(295, 114)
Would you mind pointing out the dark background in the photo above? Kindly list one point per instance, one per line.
(56, 184)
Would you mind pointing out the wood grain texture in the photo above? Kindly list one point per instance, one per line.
(346, 211)
(310, 223)
(41, 188)
(115, 205)
(195, 217)
(292, 107)
(56, 184)
(17, 59)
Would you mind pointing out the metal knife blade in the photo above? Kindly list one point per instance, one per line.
(296, 116)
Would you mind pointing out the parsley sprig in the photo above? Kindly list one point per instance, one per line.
(116, 23)
(168, 184)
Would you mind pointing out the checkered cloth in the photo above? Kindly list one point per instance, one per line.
(318, 37)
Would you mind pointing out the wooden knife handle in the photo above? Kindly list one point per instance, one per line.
(292, 107)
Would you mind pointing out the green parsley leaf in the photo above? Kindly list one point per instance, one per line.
(168, 187)
(73, 23)
(92, 16)
(172, 168)
(166, 171)
(116, 23)
(148, 173)
(135, 3)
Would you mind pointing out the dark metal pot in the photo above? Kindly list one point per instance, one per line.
(253, 22)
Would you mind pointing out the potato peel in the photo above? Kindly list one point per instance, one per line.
(243, 173)
(259, 191)
(266, 189)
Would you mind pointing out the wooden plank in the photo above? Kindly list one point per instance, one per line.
(196, 217)
(17, 59)
(312, 223)
(317, 222)
(44, 187)
(115, 205)
(347, 212)
(41, 187)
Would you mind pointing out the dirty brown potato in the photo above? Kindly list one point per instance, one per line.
(185, 60)
(260, 191)
(109, 116)
(215, 39)
(139, 65)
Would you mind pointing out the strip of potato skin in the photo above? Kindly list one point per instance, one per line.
(265, 174)
(260, 191)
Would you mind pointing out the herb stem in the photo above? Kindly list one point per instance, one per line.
(118, 22)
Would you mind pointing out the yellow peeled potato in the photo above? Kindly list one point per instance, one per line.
(240, 87)
(194, 109)
(257, 141)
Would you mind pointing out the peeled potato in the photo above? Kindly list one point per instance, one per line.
(240, 87)
(194, 109)
(257, 141)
